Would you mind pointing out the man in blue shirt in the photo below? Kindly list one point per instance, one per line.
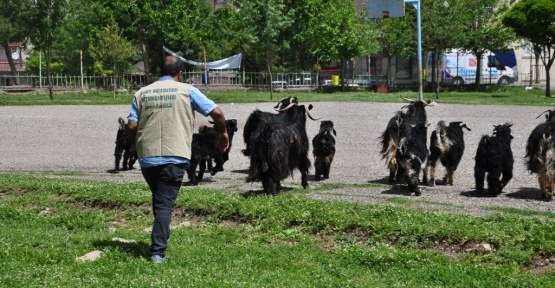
(161, 121)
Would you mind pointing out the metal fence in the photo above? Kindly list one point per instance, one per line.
(216, 78)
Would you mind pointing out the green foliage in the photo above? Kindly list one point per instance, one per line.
(100, 71)
(112, 48)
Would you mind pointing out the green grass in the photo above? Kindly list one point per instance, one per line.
(493, 95)
(238, 240)
(521, 212)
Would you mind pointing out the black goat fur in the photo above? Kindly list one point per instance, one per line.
(446, 146)
(204, 147)
(231, 127)
(278, 148)
(258, 117)
(494, 157)
(412, 156)
(323, 149)
(123, 147)
(540, 154)
(397, 128)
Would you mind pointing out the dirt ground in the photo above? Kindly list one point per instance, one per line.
(81, 139)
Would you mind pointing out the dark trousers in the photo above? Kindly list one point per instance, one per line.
(164, 182)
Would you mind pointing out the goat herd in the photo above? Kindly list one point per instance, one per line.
(277, 144)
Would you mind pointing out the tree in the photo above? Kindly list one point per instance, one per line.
(266, 21)
(442, 29)
(152, 24)
(83, 20)
(484, 31)
(535, 20)
(44, 18)
(112, 48)
(397, 37)
(13, 31)
(338, 33)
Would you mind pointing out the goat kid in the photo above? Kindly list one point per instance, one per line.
(323, 149)
(446, 146)
(231, 127)
(123, 147)
(412, 156)
(494, 157)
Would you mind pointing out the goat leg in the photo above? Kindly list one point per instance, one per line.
(317, 168)
(494, 185)
(433, 174)
(201, 169)
(479, 177)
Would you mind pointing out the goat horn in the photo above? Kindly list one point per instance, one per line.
(406, 99)
(310, 116)
(289, 106)
(548, 110)
(280, 101)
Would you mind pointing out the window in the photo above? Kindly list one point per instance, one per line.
(3, 53)
(527, 51)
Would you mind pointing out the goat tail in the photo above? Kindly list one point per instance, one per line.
(269, 156)
(121, 123)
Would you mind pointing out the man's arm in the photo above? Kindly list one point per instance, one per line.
(132, 131)
(219, 119)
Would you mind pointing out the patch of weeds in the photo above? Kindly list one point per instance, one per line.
(333, 186)
(64, 173)
(400, 200)
(521, 212)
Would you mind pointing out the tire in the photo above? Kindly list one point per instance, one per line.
(503, 81)
(457, 81)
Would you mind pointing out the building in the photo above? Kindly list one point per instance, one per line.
(16, 51)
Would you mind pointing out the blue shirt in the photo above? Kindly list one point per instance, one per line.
(199, 103)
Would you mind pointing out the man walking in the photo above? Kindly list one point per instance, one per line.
(161, 121)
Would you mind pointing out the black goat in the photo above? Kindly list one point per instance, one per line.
(231, 127)
(278, 148)
(123, 147)
(412, 156)
(447, 146)
(396, 130)
(495, 157)
(259, 117)
(323, 149)
(540, 150)
(204, 147)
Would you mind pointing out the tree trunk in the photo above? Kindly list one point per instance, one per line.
(12, 63)
(48, 74)
(342, 75)
(388, 72)
(547, 76)
(537, 55)
(478, 71)
(114, 77)
(141, 41)
(269, 59)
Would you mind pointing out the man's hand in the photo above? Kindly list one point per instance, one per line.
(222, 140)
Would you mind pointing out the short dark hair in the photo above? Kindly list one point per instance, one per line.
(171, 66)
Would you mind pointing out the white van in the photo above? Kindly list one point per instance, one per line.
(459, 67)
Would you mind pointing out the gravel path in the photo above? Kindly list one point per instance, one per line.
(81, 139)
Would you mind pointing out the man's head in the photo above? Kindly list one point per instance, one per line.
(171, 66)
